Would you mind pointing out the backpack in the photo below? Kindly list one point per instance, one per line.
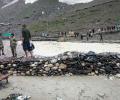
(32, 47)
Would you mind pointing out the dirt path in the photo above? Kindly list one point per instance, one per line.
(67, 88)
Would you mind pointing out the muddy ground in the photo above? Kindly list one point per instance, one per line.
(64, 87)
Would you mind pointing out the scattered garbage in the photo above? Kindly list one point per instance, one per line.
(68, 63)
(16, 97)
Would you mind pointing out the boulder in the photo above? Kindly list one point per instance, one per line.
(55, 68)
(53, 61)
(47, 69)
(50, 65)
(62, 66)
(117, 76)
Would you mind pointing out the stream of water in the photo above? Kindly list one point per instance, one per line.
(54, 48)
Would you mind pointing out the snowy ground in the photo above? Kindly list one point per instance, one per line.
(54, 48)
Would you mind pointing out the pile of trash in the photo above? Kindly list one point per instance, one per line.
(16, 97)
(68, 63)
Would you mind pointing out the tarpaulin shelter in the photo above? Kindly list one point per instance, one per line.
(7, 34)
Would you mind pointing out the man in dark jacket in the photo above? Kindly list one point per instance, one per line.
(26, 37)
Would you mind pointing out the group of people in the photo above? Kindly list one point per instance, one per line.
(26, 43)
(70, 33)
(92, 32)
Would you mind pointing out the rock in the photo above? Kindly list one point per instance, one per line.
(63, 66)
(50, 65)
(101, 95)
(57, 64)
(92, 74)
(9, 65)
(32, 73)
(90, 53)
(33, 65)
(96, 72)
(10, 72)
(41, 70)
(2, 66)
(28, 73)
(67, 75)
(111, 78)
(53, 61)
(36, 63)
(69, 63)
(47, 69)
(118, 55)
(117, 76)
(14, 65)
(23, 74)
(15, 72)
(46, 63)
(83, 64)
(99, 63)
(64, 57)
(70, 55)
(31, 70)
(59, 70)
(11, 69)
(55, 68)
(118, 65)
(70, 74)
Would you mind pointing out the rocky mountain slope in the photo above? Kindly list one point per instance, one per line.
(81, 17)
(52, 16)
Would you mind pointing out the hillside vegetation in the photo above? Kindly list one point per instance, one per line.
(81, 19)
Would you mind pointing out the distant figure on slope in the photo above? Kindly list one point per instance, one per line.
(26, 37)
(1, 46)
(92, 32)
(13, 45)
(87, 36)
(100, 34)
(76, 34)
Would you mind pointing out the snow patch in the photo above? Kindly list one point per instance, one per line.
(30, 1)
(11, 3)
(63, 1)
(71, 2)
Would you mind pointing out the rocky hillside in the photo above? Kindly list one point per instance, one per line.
(81, 17)
(4, 2)
(52, 16)
(9, 10)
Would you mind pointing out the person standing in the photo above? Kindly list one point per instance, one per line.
(87, 36)
(13, 45)
(26, 37)
(1, 46)
(100, 34)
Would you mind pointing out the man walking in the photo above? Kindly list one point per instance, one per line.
(26, 37)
